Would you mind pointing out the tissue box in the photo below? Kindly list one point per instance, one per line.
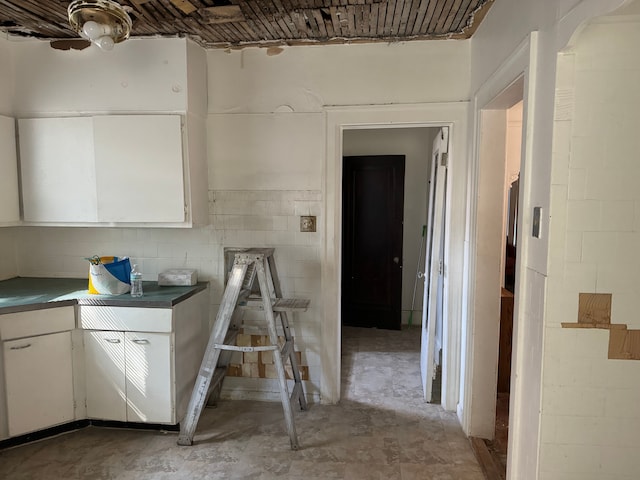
(178, 277)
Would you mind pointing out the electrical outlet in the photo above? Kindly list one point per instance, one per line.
(308, 223)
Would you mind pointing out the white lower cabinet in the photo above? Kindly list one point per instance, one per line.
(105, 372)
(39, 382)
(129, 376)
(149, 377)
(141, 363)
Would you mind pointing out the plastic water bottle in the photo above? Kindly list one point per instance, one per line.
(136, 282)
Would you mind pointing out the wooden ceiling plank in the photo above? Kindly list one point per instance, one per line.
(293, 25)
(411, 21)
(445, 26)
(424, 28)
(382, 15)
(311, 21)
(38, 19)
(184, 6)
(388, 22)
(222, 14)
(373, 20)
(301, 25)
(287, 26)
(397, 15)
(446, 11)
(466, 17)
(436, 15)
(366, 20)
(420, 16)
(357, 14)
(457, 21)
(317, 16)
(404, 18)
(247, 32)
(261, 22)
(267, 13)
(328, 22)
(351, 17)
(335, 18)
(267, 20)
(228, 32)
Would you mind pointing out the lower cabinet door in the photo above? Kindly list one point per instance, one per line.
(105, 375)
(149, 377)
(39, 382)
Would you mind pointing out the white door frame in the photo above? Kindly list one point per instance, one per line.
(453, 115)
(524, 384)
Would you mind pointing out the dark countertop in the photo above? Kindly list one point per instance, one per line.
(21, 294)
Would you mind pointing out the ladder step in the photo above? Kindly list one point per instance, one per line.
(237, 348)
(279, 305)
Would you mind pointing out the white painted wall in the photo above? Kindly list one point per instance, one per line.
(278, 130)
(304, 79)
(591, 405)
(6, 77)
(268, 133)
(494, 56)
(139, 75)
(415, 145)
(8, 267)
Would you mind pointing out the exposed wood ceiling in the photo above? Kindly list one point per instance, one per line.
(238, 23)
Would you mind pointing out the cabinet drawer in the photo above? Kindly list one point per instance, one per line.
(127, 319)
(37, 322)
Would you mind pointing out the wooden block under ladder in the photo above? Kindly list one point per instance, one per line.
(249, 265)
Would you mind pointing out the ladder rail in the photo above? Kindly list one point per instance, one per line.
(277, 359)
(212, 354)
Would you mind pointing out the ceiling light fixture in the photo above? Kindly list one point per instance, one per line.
(104, 22)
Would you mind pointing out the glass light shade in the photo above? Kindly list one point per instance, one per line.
(105, 42)
(97, 19)
(94, 30)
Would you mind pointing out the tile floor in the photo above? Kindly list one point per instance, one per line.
(380, 430)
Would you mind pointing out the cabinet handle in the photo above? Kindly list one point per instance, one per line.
(21, 347)
(141, 341)
(113, 340)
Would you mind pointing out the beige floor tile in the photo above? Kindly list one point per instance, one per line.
(382, 429)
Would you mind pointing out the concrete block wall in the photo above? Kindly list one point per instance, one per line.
(591, 404)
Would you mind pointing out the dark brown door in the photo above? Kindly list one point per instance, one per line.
(372, 210)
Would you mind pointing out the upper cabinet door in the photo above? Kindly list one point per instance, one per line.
(104, 170)
(139, 168)
(9, 203)
(57, 169)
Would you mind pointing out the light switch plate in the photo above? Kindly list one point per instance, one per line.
(535, 230)
(308, 223)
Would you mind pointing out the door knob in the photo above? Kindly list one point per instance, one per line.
(396, 260)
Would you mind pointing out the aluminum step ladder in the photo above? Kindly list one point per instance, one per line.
(242, 292)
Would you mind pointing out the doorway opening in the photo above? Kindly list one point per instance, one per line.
(500, 159)
(395, 248)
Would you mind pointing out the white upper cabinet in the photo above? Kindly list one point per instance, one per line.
(105, 170)
(9, 200)
(57, 170)
(139, 176)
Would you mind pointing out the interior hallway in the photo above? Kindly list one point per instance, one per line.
(381, 430)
